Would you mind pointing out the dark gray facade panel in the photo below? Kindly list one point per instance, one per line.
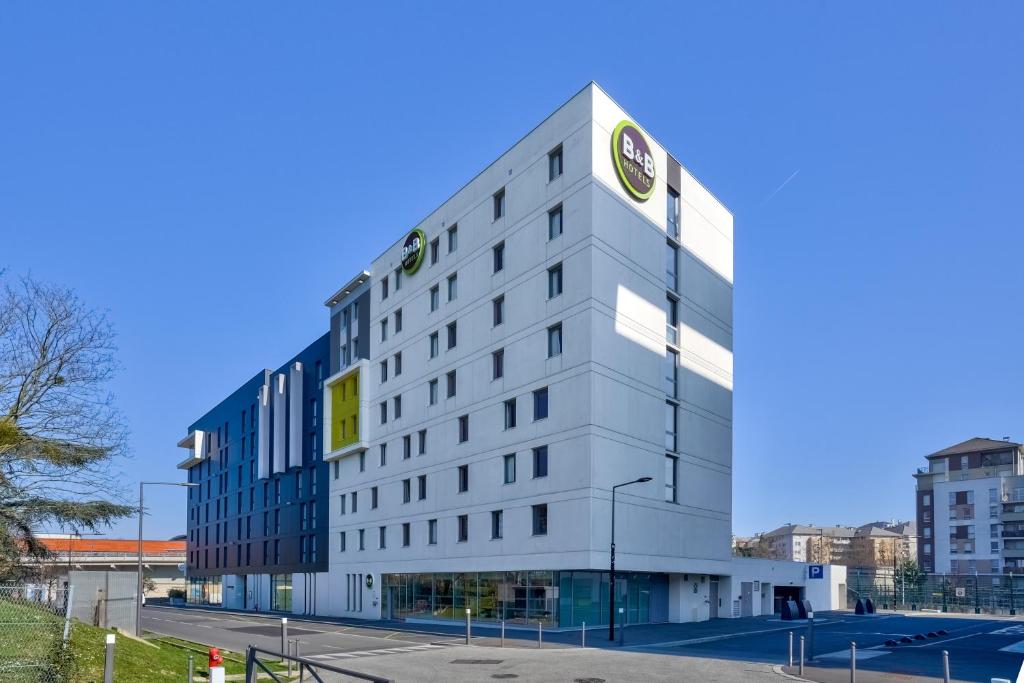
(674, 175)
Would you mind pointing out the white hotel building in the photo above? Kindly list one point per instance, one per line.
(561, 336)
(559, 326)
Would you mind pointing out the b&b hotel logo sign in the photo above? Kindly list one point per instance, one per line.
(633, 160)
(412, 251)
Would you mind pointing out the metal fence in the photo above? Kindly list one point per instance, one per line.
(34, 627)
(257, 659)
(963, 593)
(105, 598)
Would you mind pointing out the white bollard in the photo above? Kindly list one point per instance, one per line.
(583, 635)
(467, 626)
(108, 660)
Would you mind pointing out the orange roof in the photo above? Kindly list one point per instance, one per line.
(111, 545)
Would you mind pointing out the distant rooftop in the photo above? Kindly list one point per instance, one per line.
(976, 445)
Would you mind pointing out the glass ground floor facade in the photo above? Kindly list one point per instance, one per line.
(205, 591)
(554, 598)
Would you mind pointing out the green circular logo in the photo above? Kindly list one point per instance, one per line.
(633, 160)
(369, 580)
(413, 250)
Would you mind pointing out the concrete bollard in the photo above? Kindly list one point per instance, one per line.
(945, 666)
(801, 655)
(467, 626)
(583, 635)
(191, 668)
(502, 633)
(853, 662)
(108, 660)
(540, 634)
(790, 649)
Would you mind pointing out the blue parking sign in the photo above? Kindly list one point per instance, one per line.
(816, 571)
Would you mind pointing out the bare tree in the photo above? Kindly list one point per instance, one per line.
(60, 431)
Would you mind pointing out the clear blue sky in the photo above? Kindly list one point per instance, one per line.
(167, 160)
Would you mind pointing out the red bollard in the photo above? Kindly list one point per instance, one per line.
(216, 666)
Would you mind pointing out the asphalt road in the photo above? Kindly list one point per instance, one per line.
(317, 640)
(974, 646)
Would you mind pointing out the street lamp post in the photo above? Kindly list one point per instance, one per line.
(611, 573)
(138, 593)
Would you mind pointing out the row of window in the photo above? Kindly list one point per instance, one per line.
(555, 160)
(308, 554)
(539, 517)
(348, 503)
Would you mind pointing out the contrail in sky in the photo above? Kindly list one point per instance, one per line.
(779, 188)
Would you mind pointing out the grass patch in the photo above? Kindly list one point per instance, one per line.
(30, 636)
(159, 660)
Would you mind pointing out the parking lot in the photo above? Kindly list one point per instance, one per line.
(979, 648)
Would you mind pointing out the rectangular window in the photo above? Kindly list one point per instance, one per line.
(496, 524)
(398, 407)
(498, 364)
(510, 413)
(373, 498)
(499, 257)
(510, 468)
(398, 321)
(540, 519)
(498, 310)
(540, 404)
(435, 298)
(422, 441)
(406, 534)
(384, 330)
(421, 482)
(671, 321)
(453, 238)
(453, 286)
(554, 281)
(450, 380)
(499, 203)
(382, 542)
(341, 500)
(398, 280)
(463, 478)
(555, 222)
(433, 345)
(383, 454)
(555, 340)
(463, 428)
(406, 490)
(670, 426)
(452, 334)
(432, 392)
(555, 163)
(341, 541)
(463, 528)
(671, 267)
(384, 412)
(362, 539)
(398, 363)
(435, 249)
(671, 373)
(540, 462)
(407, 446)
(384, 288)
(432, 532)
(672, 214)
(383, 371)
(671, 474)
(355, 502)
(362, 461)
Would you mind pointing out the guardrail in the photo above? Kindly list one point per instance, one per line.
(254, 667)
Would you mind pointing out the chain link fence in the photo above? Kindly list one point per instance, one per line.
(963, 593)
(34, 627)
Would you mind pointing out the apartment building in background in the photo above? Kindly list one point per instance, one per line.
(970, 508)
(872, 545)
(559, 328)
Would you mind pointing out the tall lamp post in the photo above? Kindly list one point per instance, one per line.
(138, 593)
(611, 577)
